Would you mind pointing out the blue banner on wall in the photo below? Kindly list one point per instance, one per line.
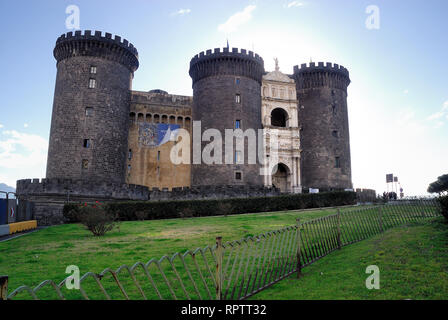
(156, 134)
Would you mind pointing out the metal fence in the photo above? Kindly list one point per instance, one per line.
(238, 269)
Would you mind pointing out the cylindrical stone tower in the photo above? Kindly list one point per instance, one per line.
(323, 118)
(89, 125)
(227, 95)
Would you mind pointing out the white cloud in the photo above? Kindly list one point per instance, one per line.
(1, 126)
(181, 12)
(22, 155)
(439, 115)
(25, 125)
(237, 20)
(405, 91)
(294, 4)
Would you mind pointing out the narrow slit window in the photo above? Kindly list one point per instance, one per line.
(92, 83)
(337, 162)
(238, 176)
(130, 154)
(93, 70)
(89, 112)
(87, 143)
(238, 124)
(238, 98)
(238, 157)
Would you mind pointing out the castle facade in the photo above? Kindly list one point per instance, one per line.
(114, 143)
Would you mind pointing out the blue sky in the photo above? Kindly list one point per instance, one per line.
(398, 98)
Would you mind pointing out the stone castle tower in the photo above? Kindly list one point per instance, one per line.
(323, 117)
(227, 95)
(89, 126)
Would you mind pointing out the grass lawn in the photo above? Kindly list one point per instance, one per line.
(45, 254)
(413, 263)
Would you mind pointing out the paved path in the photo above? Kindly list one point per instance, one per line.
(16, 235)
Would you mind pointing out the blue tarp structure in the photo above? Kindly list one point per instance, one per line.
(3, 213)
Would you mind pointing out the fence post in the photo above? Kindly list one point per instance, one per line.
(219, 253)
(381, 219)
(3, 287)
(299, 249)
(339, 230)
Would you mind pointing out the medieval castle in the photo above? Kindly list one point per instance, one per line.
(107, 141)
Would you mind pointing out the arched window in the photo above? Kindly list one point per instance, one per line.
(148, 117)
(156, 118)
(132, 117)
(279, 118)
(140, 117)
(172, 119)
(187, 122)
(164, 118)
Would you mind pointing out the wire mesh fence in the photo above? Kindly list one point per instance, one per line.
(238, 269)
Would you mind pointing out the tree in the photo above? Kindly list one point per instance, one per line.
(440, 186)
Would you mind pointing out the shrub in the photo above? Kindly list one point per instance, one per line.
(127, 211)
(443, 200)
(141, 215)
(439, 186)
(95, 218)
(71, 212)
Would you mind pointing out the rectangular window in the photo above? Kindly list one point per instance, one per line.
(238, 176)
(130, 154)
(238, 124)
(238, 98)
(87, 143)
(335, 133)
(158, 155)
(237, 80)
(129, 168)
(337, 162)
(93, 70)
(89, 111)
(85, 163)
(92, 83)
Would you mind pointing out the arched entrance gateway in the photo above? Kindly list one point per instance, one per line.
(280, 177)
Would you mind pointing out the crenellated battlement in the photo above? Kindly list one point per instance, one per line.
(96, 44)
(164, 99)
(226, 52)
(328, 74)
(226, 62)
(327, 67)
(80, 188)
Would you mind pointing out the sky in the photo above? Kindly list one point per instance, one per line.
(396, 56)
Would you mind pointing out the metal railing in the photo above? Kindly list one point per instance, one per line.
(237, 269)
